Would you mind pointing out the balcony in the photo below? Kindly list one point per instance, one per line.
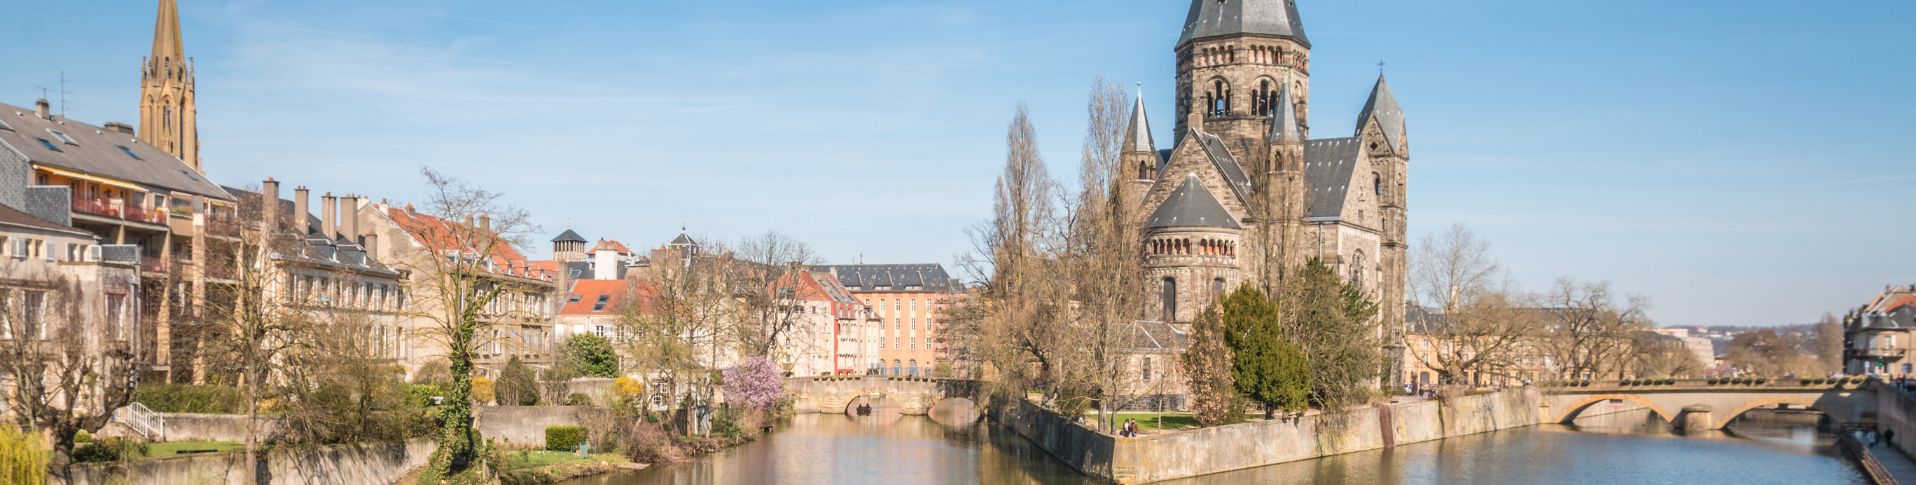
(1883, 353)
(117, 209)
(152, 264)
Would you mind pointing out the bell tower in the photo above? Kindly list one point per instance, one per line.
(1234, 58)
(168, 115)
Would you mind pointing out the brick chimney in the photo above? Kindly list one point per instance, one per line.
(43, 109)
(269, 208)
(300, 212)
(485, 222)
(118, 127)
(328, 217)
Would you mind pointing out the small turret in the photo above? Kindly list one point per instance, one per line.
(1284, 127)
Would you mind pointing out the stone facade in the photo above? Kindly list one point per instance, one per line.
(1270, 198)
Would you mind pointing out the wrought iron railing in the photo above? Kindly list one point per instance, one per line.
(144, 421)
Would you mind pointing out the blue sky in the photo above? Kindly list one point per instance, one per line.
(1737, 161)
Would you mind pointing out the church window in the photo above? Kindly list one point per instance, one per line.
(1357, 270)
(1170, 297)
(1217, 287)
(1147, 369)
(1377, 182)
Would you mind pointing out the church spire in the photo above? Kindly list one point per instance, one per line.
(166, 32)
(1137, 134)
(1383, 108)
(1284, 127)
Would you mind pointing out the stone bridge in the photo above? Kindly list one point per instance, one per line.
(1712, 404)
(885, 394)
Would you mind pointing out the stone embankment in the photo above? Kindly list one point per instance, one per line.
(1191, 453)
(367, 463)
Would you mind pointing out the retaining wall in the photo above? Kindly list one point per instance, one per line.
(524, 426)
(340, 464)
(1184, 454)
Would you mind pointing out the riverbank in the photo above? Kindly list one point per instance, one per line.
(1206, 451)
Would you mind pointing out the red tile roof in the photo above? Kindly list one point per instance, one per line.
(610, 245)
(441, 235)
(615, 292)
(1891, 300)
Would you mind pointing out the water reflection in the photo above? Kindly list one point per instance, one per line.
(1618, 448)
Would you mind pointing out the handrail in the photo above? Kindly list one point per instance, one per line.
(142, 420)
(1853, 447)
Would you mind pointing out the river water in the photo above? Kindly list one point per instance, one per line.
(1626, 448)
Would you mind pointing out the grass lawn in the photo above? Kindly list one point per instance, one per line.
(1149, 421)
(162, 450)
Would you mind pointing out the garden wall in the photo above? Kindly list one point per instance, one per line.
(340, 464)
(522, 426)
(212, 427)
(1184, 454)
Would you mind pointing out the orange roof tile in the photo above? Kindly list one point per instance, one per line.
(441, 235)
(615, 293)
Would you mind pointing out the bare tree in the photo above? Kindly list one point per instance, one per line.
(1104, 259)
(769, 283)
(676, 320)
(1591, 335)
(456, 278)
(1482, 328)
(67, 373)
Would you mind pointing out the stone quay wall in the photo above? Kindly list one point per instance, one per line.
(1896, 411)
(339, 464)
(1184, 454)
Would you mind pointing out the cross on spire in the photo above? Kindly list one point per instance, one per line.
(1380, 66)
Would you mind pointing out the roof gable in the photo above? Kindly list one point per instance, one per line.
(1191, 206)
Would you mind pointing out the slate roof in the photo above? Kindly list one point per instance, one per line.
(1213, 18)
(1285, 129)
(99, 152)
(569, 236)
(684, 240)
(1894, 309)
(871, 278)
(1160, 336)
(316, 249)
(1191, 206)
(1137, 135)
(1227, 165)
(1382, 105)
(1327, 174)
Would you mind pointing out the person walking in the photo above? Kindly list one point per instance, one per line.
(1890, 436)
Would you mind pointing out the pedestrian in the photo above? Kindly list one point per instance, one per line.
(1871, 437)
(1890, 436)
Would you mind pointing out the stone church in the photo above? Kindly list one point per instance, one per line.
(1246, 194)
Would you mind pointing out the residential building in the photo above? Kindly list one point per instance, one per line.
(60, 292)
(910, 301)
(1700, 347)
(1877, 336)
(518, 322)
(833, 332)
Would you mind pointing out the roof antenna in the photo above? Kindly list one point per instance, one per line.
(63, 94)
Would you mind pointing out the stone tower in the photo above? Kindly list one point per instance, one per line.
(168, 115)
(1234, 57)
(1385, 137)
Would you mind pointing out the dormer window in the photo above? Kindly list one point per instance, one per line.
(129, 153)
(49, 145)
(63, 137)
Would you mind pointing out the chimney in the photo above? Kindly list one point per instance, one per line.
(485, 222)
(349, 212)
(371, 244)
(43, 109)
(269, 208)
(328, 216)
(300, 212)
(118, 127)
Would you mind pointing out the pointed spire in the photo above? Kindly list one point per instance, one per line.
(1137, 135)
(166, 33)
(1284, 121)
(1383, 107)
(1218, 18)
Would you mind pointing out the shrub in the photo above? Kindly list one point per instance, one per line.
(628, 387)
(564, 438)
(591, 355)
(422, 394)
(436, 372)
(184, 398)
(22, 458)
(482, 390)
(517, 386)
(650, 443)
(109, 449)
(577, 399)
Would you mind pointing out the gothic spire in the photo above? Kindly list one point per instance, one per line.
(1382, 107)
(1284, 122)
(1137, 134)
(166, 33)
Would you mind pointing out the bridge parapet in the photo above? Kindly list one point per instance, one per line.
(1713, 403)
(1740, 383)
(908, 395)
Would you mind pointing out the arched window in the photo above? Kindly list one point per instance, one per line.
(912, 369)
(1217, 288)
(1357, 270)
(1147, 369)
(896, 369)
(1377, 181)
(1170, 299)
(1218, 100)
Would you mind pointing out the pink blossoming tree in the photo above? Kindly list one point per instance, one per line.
(756, 383)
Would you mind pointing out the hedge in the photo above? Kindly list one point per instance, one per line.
(564, 438)
(183, 398)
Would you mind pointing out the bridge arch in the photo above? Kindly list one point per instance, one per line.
(1804, 401)
(1575, 408)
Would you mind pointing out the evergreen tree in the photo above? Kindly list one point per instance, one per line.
(517, 386)
(1208, 368)
(1266, 366)
(592, 356)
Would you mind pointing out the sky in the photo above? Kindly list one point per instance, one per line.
(1737, 162)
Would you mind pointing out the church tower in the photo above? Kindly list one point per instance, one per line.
(167, 111)
(1234, 58)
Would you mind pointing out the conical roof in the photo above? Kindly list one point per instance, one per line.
(1382, 106)
(1215, 18)
(1191, 206)
(1284, 122)
(1137, 134)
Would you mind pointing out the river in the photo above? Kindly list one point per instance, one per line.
(1629, 448)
